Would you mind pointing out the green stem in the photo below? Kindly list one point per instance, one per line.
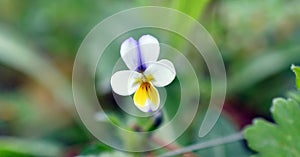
(207, 144)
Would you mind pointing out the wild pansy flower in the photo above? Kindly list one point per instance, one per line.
(144, 74)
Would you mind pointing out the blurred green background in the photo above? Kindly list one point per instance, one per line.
(259, 40)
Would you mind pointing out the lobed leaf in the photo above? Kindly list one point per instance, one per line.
(280, 139)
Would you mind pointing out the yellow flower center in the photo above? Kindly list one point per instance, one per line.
(146, 92)
(144, 79)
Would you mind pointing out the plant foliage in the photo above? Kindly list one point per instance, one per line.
(282, 138)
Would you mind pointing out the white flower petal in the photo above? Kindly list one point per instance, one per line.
(138, 54)
(145, 107)
(161, 73)
(148, 106)
(125, 82)
(153, 107)
(129, 53)
(149, 47)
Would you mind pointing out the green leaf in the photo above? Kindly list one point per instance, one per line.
(280, 139)
(222, 141)
(223, 127)
(16, 53)
(295, 95)
(296, 70)
(260, 67)
(109, 154)
(10, 147)
(96, 148)
(102, 150)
